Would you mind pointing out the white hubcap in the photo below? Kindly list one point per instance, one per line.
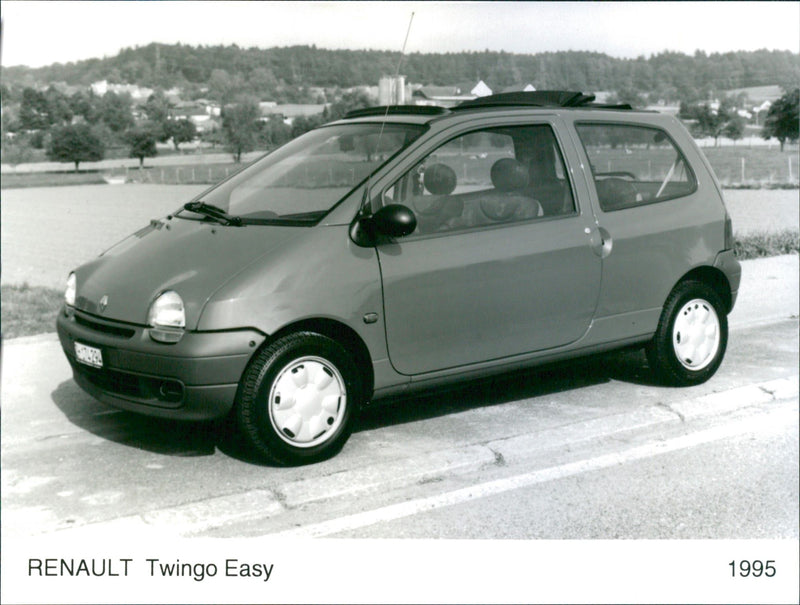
(307, 402)
(696, 334)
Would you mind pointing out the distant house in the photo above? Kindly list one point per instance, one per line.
(520, 88)
(602, 96)
(204, 123)
(479, 90)
(392, 90)
(211, 108)
(758, 94)
(137, 93)
(198, 112)
(290, 111)
(370, 91)
(448, 96)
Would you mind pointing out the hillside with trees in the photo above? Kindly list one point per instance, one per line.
(58, 112)
(286, 74)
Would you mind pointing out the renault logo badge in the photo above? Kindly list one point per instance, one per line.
(103, 303)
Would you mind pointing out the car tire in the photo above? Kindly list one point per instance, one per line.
(689, 344)
(298, 399)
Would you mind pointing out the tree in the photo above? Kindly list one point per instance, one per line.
(783, 120)
(58, 107)
(734, 129)
(275, 132)
(631, 96)
(213, 135)
(263, 82)
(116, 111)
(75, 143)
(16, 151)
(181, 131)
(349, 101)
(302, 124)
(34, 110)
(712, 121)
(240, 124)
(85, 104)
(158, 110)
(142, 142)
(222, 86)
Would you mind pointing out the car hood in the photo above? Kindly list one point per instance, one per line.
(193, 258)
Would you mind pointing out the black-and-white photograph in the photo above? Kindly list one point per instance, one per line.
(458, 302)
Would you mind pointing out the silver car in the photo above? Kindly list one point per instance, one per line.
(406, 247)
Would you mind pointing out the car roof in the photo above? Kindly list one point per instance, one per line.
(540, 99)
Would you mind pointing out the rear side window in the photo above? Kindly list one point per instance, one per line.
(634, 165)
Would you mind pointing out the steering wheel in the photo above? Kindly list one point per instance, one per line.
(616, 192)
(428, 205)
(620, 174)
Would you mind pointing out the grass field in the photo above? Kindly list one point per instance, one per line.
(28, 310)
(738, 166)
(194, 173)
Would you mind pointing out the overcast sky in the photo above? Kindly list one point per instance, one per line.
(41, 33)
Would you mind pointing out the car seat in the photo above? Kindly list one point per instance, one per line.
(508, 201)
(434, 210)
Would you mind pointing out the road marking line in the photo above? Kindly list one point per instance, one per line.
(490, 488)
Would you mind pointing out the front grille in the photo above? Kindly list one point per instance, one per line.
(105, 328)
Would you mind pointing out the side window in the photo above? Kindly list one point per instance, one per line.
(634, 165)
(486, 177)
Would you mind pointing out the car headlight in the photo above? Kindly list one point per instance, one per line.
(167, 317)
(72, 287)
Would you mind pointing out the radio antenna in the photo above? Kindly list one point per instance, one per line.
(397, 73)
(403, 51)
(388, 105)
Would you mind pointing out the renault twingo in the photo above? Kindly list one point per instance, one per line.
(407, 247)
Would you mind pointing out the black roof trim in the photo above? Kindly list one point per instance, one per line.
(538, 98)
(417, 110)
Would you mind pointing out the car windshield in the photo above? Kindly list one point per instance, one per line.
(303, 180)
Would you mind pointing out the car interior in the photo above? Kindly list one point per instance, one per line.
(528, 186)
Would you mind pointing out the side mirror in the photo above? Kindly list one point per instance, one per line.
(394, 220)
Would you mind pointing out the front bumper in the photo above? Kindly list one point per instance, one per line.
(193, 379)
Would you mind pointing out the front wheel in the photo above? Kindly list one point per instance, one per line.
(298, 399)
(692, 335)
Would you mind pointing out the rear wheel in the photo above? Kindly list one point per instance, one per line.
(692, 335)
(298, 399)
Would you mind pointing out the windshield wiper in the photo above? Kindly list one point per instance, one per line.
(304, 216)
(214, 212)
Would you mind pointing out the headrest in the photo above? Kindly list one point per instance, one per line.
(508, 174)
(440, 179)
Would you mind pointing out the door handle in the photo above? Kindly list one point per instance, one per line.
(600, 241)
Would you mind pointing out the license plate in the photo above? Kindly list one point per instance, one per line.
(91, 356)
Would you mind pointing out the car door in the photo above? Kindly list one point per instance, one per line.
(654, 219)
(488, 274)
